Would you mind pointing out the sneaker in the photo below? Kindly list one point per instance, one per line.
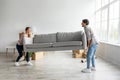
(86, 70)
(17, 64)
(93, 69)
(29, 64)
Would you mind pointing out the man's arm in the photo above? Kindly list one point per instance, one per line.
(89, 38)
(89, 43)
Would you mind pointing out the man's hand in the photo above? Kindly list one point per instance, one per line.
(86, 50)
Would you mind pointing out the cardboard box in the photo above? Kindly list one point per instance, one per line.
(37, 55)
(78, 54)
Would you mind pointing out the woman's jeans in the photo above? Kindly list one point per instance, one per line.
(91, 55)
(20, 51)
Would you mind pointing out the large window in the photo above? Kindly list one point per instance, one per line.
(108, 20)
(114, 22)
(98, 20)
(103, 27)
(104, 2)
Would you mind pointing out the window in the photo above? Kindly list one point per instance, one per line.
(108, 20)
(111, 0)
(103, 29)
(114, 10)
(113, 31)
(98, 16)
(114, 22)
(105, 2)
(97, 21)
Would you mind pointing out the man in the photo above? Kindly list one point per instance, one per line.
(91, 45)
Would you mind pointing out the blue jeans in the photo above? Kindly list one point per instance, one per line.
(91, 55)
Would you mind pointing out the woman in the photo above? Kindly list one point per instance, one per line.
(19, 46)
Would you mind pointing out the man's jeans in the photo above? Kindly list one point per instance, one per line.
(91, 55)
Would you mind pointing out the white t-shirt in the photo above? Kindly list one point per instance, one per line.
(28, 40)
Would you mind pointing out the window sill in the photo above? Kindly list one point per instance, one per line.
(109, 43)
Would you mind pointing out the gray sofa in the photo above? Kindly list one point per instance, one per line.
(57, 41)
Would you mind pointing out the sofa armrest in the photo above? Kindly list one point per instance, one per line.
(84, 41)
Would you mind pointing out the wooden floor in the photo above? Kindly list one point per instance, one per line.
(56, 66)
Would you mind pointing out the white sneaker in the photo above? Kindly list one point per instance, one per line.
(86, 70)
(17, 64)
(93, 69)
(29, 64)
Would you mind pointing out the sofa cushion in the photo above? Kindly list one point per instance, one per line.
(36, 46)
(45, 38)
(68, 43)
(69, 36)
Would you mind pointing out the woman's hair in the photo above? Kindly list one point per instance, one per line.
(86, 21)
(27, 28)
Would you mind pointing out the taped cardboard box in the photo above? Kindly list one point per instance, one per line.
(79, 54)
(37, 55)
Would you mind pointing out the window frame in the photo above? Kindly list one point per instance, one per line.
(107, 6)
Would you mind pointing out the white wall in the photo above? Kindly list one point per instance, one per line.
(47, 16)
(109, 52)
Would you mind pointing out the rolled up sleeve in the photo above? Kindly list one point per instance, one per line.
(88, 34)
